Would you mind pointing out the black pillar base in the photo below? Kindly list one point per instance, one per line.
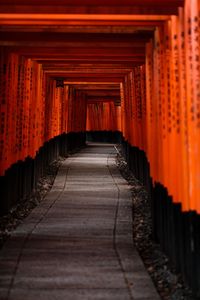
(21, 178)
(177, 232)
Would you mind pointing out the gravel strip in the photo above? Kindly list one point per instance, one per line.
(17, 214)
(169, 284)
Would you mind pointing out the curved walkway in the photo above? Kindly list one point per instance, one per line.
(77, 244)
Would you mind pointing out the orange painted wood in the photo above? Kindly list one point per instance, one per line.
(106, 54)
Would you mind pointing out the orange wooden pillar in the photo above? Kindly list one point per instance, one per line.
(3, 111)
(193, 96)
(149, 101)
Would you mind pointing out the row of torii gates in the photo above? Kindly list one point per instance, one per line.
(126, 70)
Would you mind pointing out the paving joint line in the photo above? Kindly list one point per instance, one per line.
(114, 233)
(29, 234)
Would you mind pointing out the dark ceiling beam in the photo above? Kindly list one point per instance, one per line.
(52, 65)
(86, 80)
(87, 75)
(86, 71)
(172, 3)
(102, 95)
(121, 30)
(127, 62)
(164, 9)
(79, 38)
(84, 52)
(95, 89)
(134, 44)
(99, 87)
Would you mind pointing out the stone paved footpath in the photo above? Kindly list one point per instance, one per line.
(77, 244)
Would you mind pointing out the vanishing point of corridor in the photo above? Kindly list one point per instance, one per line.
(78, 243)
